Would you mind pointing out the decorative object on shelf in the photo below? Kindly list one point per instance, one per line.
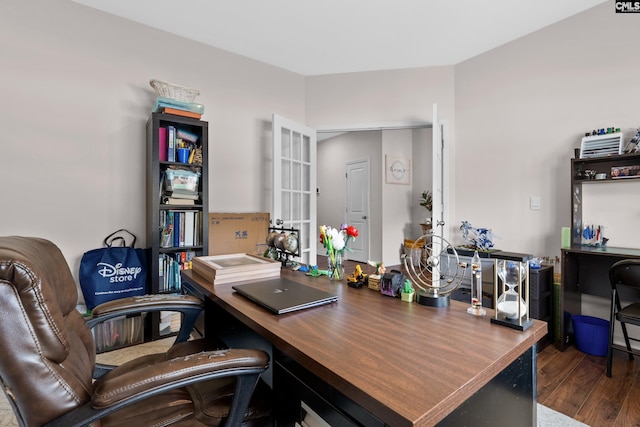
(593, 235)
(283, 244)
(174, 91)
(480, 239)
(625, 171)
(512, 298)
(336, 242)
(438, 273)
(602, 145)
(634, 143)
(476, 287)
(407, 291)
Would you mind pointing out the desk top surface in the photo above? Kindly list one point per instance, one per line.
(405, 363)
(604, 250)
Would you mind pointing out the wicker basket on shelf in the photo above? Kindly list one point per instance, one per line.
(174, 91)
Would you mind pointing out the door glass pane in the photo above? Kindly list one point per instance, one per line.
(296, 205)
(286, 206)
(306, 205)
(306, 150)
(296, 176)
(286, 174)
(285, 143)
(306, 177)
(296, 146)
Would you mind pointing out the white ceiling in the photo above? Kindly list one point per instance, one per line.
(313, 37)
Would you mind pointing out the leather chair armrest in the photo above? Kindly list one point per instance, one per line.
(189, 306)
(121, 384)
(120, 387)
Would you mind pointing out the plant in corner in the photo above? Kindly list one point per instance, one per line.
(426, 201)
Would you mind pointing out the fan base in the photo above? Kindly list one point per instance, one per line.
(432, 300)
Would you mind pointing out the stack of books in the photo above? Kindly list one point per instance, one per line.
(178, 108)
(220, 269)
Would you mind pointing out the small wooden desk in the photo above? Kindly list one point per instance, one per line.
(585, 270)
(381, 360)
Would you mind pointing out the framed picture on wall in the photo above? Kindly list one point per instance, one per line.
(397, 170)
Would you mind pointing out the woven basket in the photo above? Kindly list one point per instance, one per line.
(174, 91)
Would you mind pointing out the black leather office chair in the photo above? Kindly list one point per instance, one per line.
(47, 357)
(623, 274)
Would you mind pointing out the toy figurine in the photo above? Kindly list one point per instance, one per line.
(477, 238)
(358, 278)
(380, 269)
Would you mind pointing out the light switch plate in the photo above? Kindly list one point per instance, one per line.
(534, 203)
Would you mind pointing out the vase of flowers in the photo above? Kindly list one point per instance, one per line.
(335, 242)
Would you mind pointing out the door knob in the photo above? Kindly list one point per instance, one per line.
(364, 217)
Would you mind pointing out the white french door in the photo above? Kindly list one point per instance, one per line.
(294, 183)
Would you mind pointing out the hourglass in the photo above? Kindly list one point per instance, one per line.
(512, 304)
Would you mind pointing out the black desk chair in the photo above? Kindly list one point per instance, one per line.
(623, 274)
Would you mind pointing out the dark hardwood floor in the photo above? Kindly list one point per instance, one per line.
(575, 384)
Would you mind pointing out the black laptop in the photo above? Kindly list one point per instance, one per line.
(283, 295)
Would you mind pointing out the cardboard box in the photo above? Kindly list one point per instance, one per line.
(231, 233)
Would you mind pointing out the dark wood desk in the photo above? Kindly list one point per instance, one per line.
(585, 270)
(381, 360)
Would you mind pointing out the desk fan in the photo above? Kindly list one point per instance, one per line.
(437, 271)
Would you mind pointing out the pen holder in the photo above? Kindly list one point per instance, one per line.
(593, 235)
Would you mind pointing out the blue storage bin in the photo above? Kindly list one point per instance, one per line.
(592, 334)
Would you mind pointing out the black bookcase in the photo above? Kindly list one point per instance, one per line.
(163, 277)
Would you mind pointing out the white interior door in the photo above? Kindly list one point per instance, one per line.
(357, 207)
(294, 183)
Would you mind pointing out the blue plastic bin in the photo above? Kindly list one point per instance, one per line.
(592, 334)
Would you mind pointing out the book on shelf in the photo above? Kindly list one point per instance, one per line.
(177, 201)
(182, 227)
(169, 269)
(189, 226)
(184, 194)
(162, 144)
(183, 113)
(171, 144)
